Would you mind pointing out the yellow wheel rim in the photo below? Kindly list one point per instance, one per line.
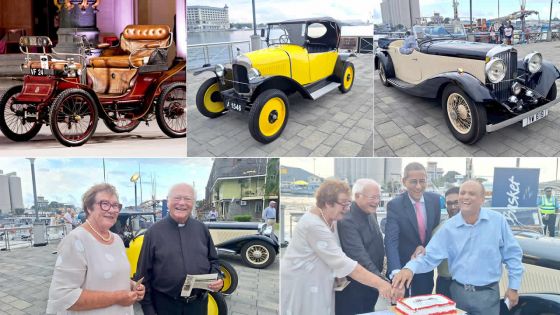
(211, 106)
(272, 116)
(227, 279)
(348, 77)
(212, 306)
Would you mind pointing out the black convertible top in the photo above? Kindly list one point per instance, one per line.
(310, 20)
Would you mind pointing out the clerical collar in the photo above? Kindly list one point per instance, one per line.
(180, 225)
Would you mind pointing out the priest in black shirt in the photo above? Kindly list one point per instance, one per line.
(174, 247)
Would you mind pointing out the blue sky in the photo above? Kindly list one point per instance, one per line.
(65, 180)
(481, 8)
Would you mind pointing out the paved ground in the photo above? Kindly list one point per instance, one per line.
(412, 126)
(25, 278)
(140, 142)
(335, 125)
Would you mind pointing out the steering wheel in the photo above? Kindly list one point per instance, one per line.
(284, 39)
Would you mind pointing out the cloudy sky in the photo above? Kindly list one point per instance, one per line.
(65, 180)
(275, 10)
(481, 8)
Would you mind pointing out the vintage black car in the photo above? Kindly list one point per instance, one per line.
(483, 87)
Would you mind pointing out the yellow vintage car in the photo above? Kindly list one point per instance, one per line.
(302, 57)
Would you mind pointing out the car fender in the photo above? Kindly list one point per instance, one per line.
(345, 56)
(476, 90)
(238, 243)
(285, 84)
(210, 68)
(384, 57)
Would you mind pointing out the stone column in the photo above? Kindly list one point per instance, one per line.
(77, 17)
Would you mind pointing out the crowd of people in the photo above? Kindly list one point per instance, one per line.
(335, 261)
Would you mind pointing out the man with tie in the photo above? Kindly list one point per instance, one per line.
(362, 241)
(411, 219)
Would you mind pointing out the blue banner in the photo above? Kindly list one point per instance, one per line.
(515, 187)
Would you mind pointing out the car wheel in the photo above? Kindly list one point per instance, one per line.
(465, 119)
(383, 74)
(12, 122)
(209, 101)
(552, 93)
(73, 117)
(268, 116)
(230, 278)
(347, 79)
(258, 254)
(171, 110)
(217, 304)
(121, 125)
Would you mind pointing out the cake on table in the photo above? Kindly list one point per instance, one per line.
(429, 304)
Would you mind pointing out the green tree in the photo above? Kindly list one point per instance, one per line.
(449, 177)
(272, 177)
(19, 211)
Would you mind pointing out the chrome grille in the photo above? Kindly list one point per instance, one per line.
(502, 90)
(240, 79)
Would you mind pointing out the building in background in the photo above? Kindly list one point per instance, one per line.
(383, 170)
(296, 180)
(400, 12)
(11, 197)
(434, 173)
(205, 18)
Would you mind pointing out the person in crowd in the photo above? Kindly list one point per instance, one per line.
(492, 31)
(213, 215)
(547, 208)
(476, 243)
(501, 32)
(91, 273)
(410, 44)
(411, 219)
(173, 248)
(508, 33)
(68, 220)
(361, 240)
(269, 214)
(314, 258)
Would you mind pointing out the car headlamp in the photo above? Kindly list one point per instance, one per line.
(219, 69)
(533, 62)
(495, 70)
(253, 74)
(516, 88)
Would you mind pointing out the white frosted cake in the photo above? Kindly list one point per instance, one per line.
(430, 304)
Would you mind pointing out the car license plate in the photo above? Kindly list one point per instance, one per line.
(538, 116)
(234, 104)
(38, 72)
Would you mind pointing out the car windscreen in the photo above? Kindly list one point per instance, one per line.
(290, 33)
(439, 31)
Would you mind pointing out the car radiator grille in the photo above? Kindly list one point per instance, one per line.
(240, 79)
(502, 90)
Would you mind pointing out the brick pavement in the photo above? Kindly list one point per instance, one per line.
(25, 278)
(335, 125)
(411, 126)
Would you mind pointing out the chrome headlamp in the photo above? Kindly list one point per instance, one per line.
(533, 62)
(495, 70)
(253, 74)
(516, 88)
(219, 69)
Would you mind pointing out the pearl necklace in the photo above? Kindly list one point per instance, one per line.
(108, 239)
(331, 226)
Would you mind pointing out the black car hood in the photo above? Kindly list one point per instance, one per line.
(457, 48)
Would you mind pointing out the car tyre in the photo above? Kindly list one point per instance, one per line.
(383, 74)
(67, 114)
(171, 110)
(347, 80)
(231, 278)
(217, 304)
(269, 115)
(10, 124)
(209, 101)
(465, 119)
(121, 126)
(258, 254)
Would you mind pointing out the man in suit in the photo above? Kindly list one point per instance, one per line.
(411, 219)
(361, 240)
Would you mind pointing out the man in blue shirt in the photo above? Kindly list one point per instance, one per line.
(410, 44)
(476, 243)
(269, 214)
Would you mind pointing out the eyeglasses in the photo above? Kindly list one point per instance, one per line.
(344, 204)
(417, 181)
(185, 198)
(106, 205)
(374, 197)
(452, 203)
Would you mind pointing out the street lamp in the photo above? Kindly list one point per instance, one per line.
(549, 33)
(32, 161)
(134, 178)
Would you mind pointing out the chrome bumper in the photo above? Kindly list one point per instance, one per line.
(513, 120)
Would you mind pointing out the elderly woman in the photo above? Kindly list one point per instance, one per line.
(314, 257)
(91, 274)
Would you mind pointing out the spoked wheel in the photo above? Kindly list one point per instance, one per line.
(121, 124)
(73, 117)
(13, 122)
(258, 254)
(347, 79)
(383, 74)
(171, 110)
(217, 304)
(268, 116)
(230, 278)
(465, 119)
(209, 101)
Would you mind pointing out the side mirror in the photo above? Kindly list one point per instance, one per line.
(262, 32)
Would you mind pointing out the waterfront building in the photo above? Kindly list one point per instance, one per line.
(383, 171)
(11, 197)
(205, 18)
(403, 12)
